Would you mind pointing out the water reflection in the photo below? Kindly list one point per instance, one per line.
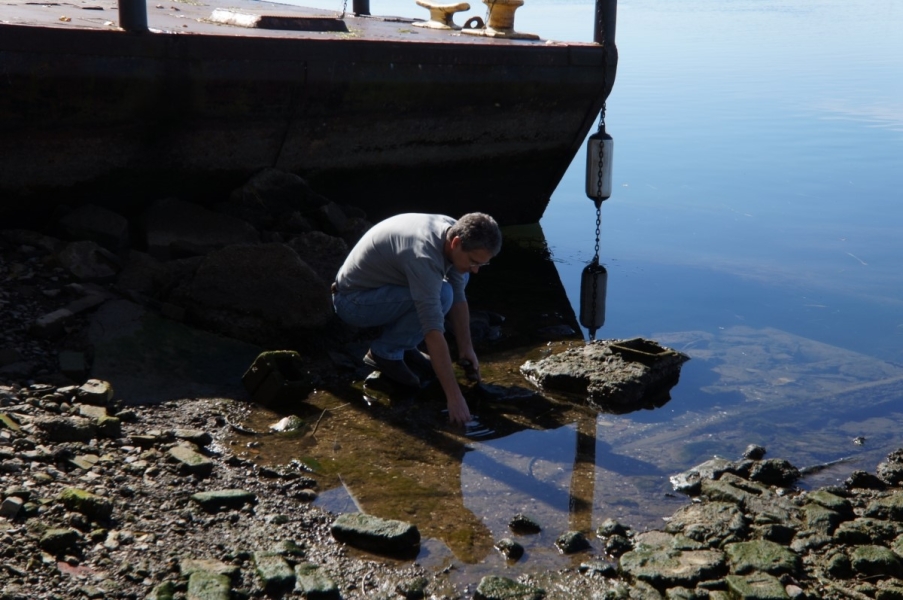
(389, 451)
(563, 461)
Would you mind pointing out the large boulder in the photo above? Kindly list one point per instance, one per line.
(176, 229)
(615, 375)
(261, 294)
(324, 253)
(273, 198)
(97, 224)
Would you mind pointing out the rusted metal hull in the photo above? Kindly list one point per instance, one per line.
(382, 123)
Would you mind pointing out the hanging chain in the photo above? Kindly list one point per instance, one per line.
(344, 9)
(598, 201)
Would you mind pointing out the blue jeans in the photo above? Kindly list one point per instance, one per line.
(392, 308)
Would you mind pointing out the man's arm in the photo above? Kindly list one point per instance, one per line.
(445, 372)
(460, 320)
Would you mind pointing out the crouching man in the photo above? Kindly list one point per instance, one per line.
(406, 274)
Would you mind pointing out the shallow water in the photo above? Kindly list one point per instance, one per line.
(754, 226)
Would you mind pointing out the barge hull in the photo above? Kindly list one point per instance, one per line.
(387, 125)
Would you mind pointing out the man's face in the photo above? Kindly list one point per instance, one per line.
(468, 261)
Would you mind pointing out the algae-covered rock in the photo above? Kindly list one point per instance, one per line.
(275, 572)
(762, 556)
(86, 503)
(59, 539)
(710, 523)
(876, 560)
(413, 588)
(663, 568)
(203, 585)
(314, 582)
(866, 531)
(833, 502)
(819, 518)
(502, 588)
(759, 586)
(889, 507)
(375, 534)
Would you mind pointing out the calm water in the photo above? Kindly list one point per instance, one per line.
(755, 224)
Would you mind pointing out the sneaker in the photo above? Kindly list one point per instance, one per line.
(419, 362)
(395, 370)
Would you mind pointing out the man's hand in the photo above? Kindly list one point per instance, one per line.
(458, 413)
(471, 368)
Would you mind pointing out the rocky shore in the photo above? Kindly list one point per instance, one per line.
(100, 498)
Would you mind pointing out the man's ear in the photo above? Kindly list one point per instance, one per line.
(455, 242)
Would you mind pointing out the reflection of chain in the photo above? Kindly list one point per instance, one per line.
(592, 332)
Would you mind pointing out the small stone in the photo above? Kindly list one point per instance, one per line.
(216, 500)
(191, 462)
(274, 571)
(571, 542)
(10, 507)
(838, 565)
(289, 423)
(375, 534)
(59, 540)
(8, 422)
(616, 545)
(599, 567)
(524, 524)
(774, 471)
(197, 437)
(412, 589)
(187, 566)
(510, 549)
(610, 527)
(95, 391)
(288, 548)
(92, 412)
(754, 452)
(110, 427)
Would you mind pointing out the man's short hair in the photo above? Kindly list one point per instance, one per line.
(478, 231)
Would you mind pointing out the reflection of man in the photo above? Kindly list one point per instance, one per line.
(405, 274)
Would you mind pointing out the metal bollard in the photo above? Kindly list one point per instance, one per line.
(361, 7)
(133, 15)
(606, 18)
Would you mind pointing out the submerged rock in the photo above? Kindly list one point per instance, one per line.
(618, 375)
